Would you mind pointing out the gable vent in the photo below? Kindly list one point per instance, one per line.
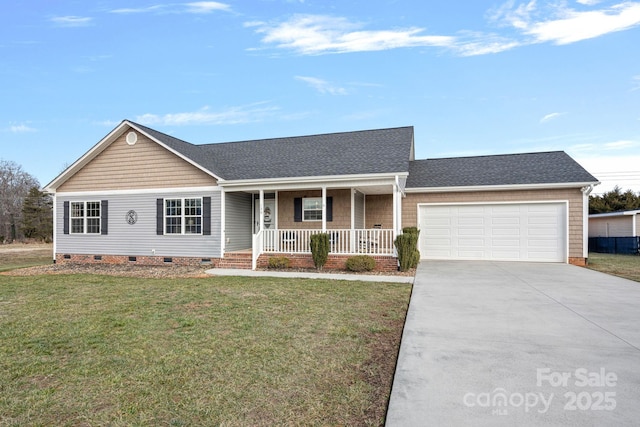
(132, 138)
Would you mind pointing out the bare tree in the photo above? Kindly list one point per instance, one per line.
(14, 187)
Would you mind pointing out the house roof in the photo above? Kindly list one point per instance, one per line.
(346, 153)
(552, 167)
(618, 213)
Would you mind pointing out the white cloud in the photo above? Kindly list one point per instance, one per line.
(636, 83)
(550, 117)
(139, 10)
(234, 115)
(20, 129)
(322, 86)
(72, 21)
(520, 24)
(199, 7)
(318, 34)
(206, 7)
(559, 24)
(620, 145)
(588, 2)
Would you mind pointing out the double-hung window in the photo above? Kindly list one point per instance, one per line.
(85, 217)
(312, 209)
(183, 216)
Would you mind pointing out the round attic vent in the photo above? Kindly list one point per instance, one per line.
(132, 137)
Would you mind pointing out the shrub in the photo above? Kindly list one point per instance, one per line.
(407, 247)
(360, 263)
(319, 249)
(279, 262)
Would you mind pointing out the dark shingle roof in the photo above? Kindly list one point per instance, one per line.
(346, 153)
(509, 169)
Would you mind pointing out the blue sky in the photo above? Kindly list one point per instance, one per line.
(474, 78)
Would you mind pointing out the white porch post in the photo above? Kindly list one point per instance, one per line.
(261, 219)
(395, 210)
(352, 236)
(324, 208)
(223, 220)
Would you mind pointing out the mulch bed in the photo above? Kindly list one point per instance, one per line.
(158, 271)
(111, 270)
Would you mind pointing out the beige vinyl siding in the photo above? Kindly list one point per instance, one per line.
(380, 210)
(573, 196)
(341, 209)
(359, 210)
(612, 226)
(142, 165)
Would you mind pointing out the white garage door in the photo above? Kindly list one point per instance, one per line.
(505, 232)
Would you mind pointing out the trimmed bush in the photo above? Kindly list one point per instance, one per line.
(279, 262)
(360, 263)
(407, 247)
(319, 249)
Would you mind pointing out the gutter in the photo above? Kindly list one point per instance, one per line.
(508, 187)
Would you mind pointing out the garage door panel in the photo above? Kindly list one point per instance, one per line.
(464, 231)
(514, 243)
(470, 221)
(511, 231)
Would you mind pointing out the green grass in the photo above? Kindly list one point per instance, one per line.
(97, 350)
(627, 266)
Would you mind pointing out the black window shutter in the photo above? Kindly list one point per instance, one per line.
(329, 208)
(66, 217)
(104, 217)
(159, 217)
(206, 216)
(297, 209)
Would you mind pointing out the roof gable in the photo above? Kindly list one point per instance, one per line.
(346, 153)
(553, 167)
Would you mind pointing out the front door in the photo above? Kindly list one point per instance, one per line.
(269, 215)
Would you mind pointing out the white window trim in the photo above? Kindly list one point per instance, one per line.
(303, 209)
(85, 217)
(183, 222)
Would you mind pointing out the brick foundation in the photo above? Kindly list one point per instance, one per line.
(134, 260)
(580, 262)
(334, 262)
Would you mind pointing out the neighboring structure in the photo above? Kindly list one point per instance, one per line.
(142, 196)
(615, 224)
(615, 232)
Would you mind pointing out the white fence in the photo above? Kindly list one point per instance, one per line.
(345, 241)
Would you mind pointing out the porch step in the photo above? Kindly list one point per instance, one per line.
(236, 260)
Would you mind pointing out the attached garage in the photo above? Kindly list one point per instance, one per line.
(534, 231)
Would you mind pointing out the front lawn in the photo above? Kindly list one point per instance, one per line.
(627, 266)
(97, 350)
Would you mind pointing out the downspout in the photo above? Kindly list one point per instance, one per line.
(223, 220)
(585, 219)
(55, 217)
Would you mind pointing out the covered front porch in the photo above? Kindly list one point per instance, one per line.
(359, 219)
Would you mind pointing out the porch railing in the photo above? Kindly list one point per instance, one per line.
(344, 241)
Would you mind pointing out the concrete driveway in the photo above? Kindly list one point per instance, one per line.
(491, 343)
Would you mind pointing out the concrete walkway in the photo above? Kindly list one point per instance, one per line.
(488, 343)
(306, 275)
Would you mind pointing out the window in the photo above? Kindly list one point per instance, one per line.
(312, 209)
(85, 217)
(183, 216)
